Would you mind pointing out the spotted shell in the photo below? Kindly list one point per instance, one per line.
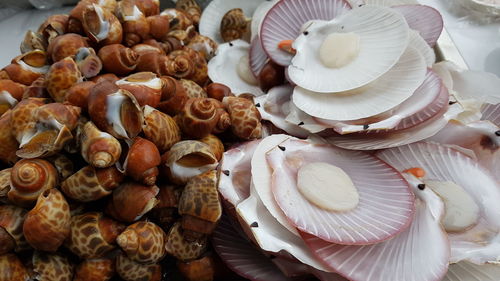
(204, 45)
(202, 269)
(130, 270)
(245, 118)
(191, 8)
(145, 86)
(92, 235)
(11, 268)
(192, 89)
(135, 25)
(95, 270)
(7, 139)
(4, 182)
(11, 220)
(199, 203)
(101, 25)
(61, 76)
(66, 45)
(53, 267)
(63, 165)
(215, 145)
(98, 148)
(202, 116)
(29, 178)
(89, 183)
(37, 89)
(143, 242)
(130, 201)
(187, 159)
(160, 129)
(22, 118)
(48, 224)
(173, 96)
(27, 67)
(182, 249)
(234, 25)
(188, 64)
(178, 20)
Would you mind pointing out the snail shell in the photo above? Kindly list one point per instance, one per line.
(99, 149)
(215, 145)
(11, 224)
(178, 20)
(95, 270)
(101, 25)
(130, 270)
(145, 86)
(48, 224)
(197, 70)
(61, 76)
(182, 249)
(142, 161)
(198, 270)
(148, 46)
(234, 25)
(54, 26)
(173, 96)
(171, 44)
(63, 165)
(22, 117)
(192, 89)
(110, 77)
(37, 89)
(90, 184)
(92, 235)
(33, 41)
(201, 116)
(204, 45)
(4, 182)
(51, 266)
(160, 128)
(30, 178)
(88, 62)
(134, 23)
(118, 59)
(115, 111)
(245, 118)
(148, 7)
(11, 268)
(7, 139)
(218, 91)
(158, 26)
(130, 201)
(143, 242)
(199, 205)
(10, 94)
(184, 36)
(165, 213)
(78, 94)
(66, 45)
(187, 159)
(271, 75)
(191, 8)
(27, 67)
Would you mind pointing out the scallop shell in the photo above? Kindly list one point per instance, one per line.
(258, 17)
(443, 163)
(212, 15)
(426, 20)
(223, 68)
(284, 21)
(417, 42)
(491, 112)
(379, 96)
(375, 56)
(257, 57)
(472, 272)
(421, 249)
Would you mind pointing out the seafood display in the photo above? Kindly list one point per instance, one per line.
(249, 140)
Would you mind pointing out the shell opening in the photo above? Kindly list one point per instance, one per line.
(136, 15)
(153, 83)
(192, 165)
(339, 49)
(327, 186)
(461, 211)
(104, 25)
(7, 98)
(244, 71)
(113, 113)
(42, 69)
(82, 54)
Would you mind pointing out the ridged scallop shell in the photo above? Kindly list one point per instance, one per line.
(89, 183)
(130, 270)
(160, 128)
(29, 179)
(92, 235)
(52, 267)
(181, 249)
(199, 203)
(48, 223)
(187, 159)
(143, 242)
(98, 148)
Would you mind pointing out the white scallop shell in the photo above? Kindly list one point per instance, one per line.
(384, 37)
(467, 271)
(212, 15)
(389, 3)
(417, 42)
(259, 14)
(390, 90)
(223, 68)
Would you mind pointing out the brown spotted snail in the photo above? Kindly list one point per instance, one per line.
(111, 133)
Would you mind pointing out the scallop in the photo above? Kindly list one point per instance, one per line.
(231, 67)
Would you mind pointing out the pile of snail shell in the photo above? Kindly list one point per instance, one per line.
(110, 138)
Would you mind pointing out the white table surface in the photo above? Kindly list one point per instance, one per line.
(479, 44)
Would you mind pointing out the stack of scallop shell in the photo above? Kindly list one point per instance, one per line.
(110, 135)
